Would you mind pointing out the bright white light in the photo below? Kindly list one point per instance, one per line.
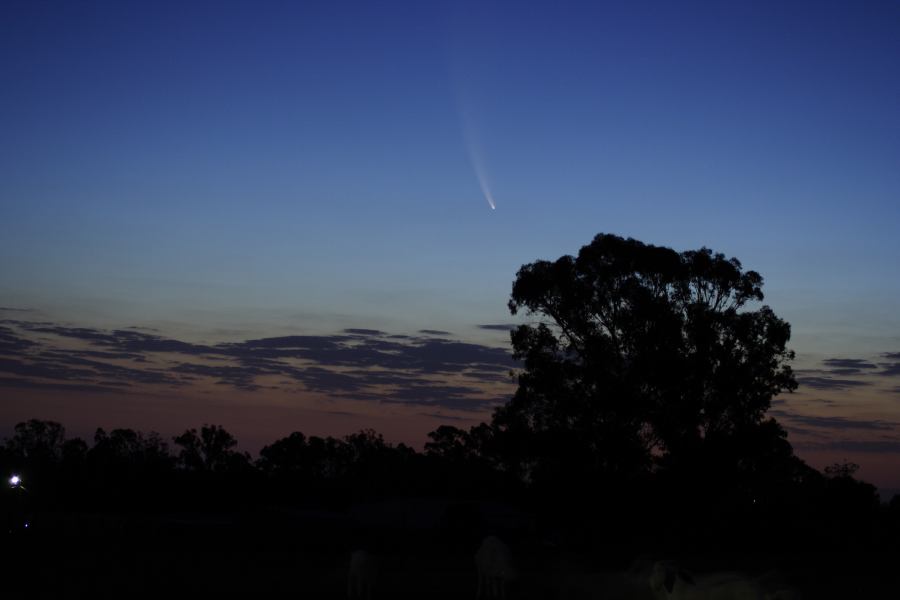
(15, 480)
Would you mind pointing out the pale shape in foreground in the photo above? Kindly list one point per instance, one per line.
(495, 569)
(362, 576)
(670, 582)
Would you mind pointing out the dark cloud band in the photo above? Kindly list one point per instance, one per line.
(366, 364)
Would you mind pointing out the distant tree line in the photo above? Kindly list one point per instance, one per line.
(129, 472)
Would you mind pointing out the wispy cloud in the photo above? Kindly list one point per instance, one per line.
(11, 343)
(498, 326)
(889, 370)
(848, 366)
(868, 446)
(357, 331)
(829, 383)
(849, 363)
(126, 340)
(443, 416)
(835, 423)
(14, 382)
(356, 363)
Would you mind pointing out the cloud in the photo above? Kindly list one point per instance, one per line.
(794, 430)
(489, 376)
(325, 380)
(385, 378)
(13, 382)
(285, 346)
(443, 356)
(836, 423)
(239, 377)
(889, 370)
(444, 417)
(873, 446)
(848, 363)
(847, 366)
(133, 341)
(356, 363)
(828, 383)
(14, 309)
(384, 368)
(446, 396)
(426, 355)
(127, 340)
(109, 355)
(10, 343)
(64, 367)
(81, 333)
(45, 370)
(434, 332)
(498, 326)
(145, 375)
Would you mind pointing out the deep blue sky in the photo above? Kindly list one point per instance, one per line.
(229, 170)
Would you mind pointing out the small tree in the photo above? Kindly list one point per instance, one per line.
(845, 470)
(211, 450)
(287, 456)
(37, 441)
(449, 443)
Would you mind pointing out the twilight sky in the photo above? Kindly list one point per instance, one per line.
(269, 215)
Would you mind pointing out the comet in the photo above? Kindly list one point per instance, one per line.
(478, 166)
(473, 147)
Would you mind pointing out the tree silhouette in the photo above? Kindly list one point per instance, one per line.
(449, 443)
(211, 450)
(129, 447)
(841, 469)
(642, 355)
(286, 457)
(37, 441)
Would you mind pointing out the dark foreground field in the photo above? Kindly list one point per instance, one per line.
(305, 554)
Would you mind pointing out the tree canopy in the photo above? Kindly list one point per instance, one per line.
(640, 356)
(210, 450)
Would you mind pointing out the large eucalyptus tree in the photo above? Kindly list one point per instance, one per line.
(639, 355)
